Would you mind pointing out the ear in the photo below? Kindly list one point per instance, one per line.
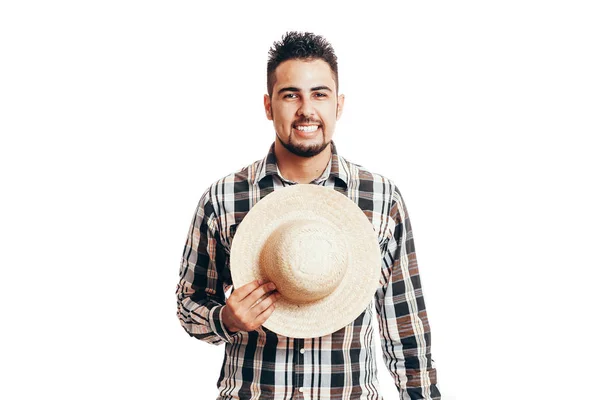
(267, 104)
(340, 107)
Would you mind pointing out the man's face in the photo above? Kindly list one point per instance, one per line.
(304, 107)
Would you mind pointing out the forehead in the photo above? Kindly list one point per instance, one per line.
(303, 74)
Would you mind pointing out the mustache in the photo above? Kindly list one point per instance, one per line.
(307, 121)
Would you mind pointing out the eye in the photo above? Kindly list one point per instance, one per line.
(290, 96)
(320, 94)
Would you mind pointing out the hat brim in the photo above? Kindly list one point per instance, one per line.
(355, 291)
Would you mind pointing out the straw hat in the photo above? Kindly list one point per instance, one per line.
(319, 249)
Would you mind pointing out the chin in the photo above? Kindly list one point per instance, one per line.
(306, 151)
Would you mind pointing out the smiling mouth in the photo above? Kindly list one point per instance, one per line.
(307, 128)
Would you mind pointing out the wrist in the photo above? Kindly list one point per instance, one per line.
(227, 321)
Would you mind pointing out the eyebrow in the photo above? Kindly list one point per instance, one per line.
(295, 89)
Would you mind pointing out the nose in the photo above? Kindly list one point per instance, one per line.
(306, 109)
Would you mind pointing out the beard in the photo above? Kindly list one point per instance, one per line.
(303, 150)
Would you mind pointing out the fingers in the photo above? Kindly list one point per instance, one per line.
(251, 293)
(260, 319)
(265, 303)
(258, 293)
(254, 309)
(243, 291)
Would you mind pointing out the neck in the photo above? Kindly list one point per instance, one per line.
(301, 169)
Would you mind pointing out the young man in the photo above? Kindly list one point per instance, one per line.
(304, 104)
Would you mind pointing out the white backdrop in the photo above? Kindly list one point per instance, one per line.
(116, 115)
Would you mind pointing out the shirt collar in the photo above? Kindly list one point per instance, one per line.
(336, 167)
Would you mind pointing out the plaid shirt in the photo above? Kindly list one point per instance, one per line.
(264, 365)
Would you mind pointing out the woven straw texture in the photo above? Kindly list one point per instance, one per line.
(321, 251)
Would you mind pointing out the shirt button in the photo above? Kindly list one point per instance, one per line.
(301, 351)
(301, 390)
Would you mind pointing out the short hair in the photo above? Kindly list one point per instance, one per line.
(300, 46)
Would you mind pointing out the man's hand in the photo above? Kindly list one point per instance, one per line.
(245, 311)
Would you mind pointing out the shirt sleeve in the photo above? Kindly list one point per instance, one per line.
(203, 276)
(400, 306)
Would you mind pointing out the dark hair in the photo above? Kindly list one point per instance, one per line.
(300, 45)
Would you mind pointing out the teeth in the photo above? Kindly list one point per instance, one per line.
(304, 128)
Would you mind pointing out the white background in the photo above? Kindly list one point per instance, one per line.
(116, 115)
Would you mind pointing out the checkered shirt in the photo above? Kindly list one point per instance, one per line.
(341, 366)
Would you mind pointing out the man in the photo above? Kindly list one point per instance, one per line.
(304, 104)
